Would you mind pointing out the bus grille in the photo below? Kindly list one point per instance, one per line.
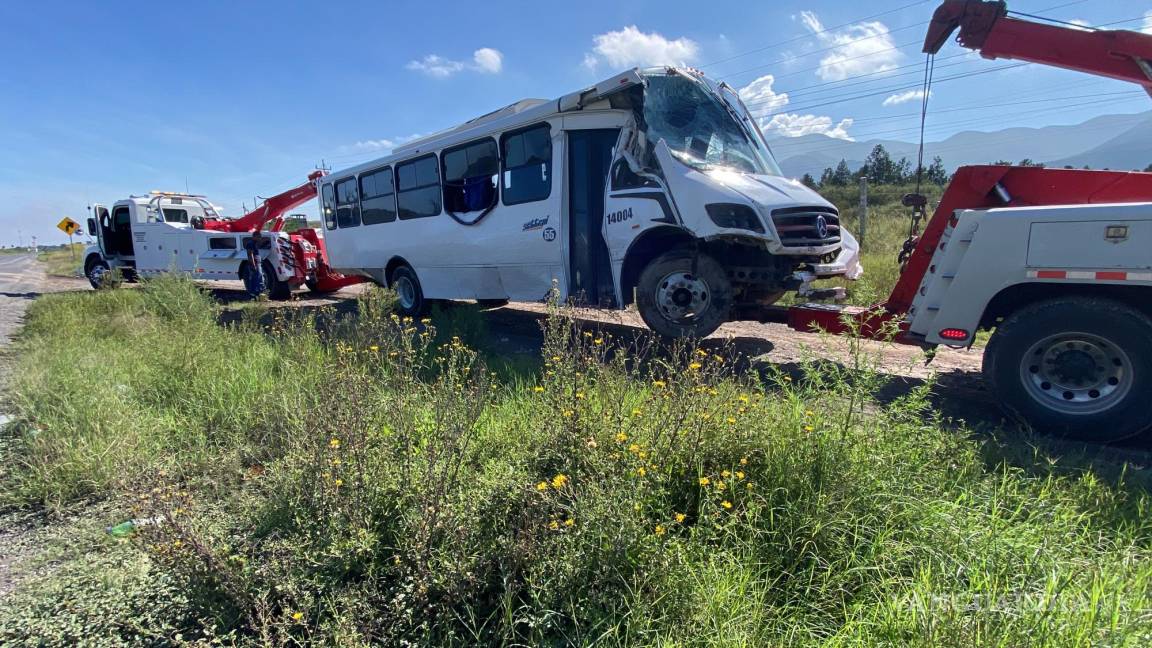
(807, 226)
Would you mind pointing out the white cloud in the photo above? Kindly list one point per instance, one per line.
(904, 97)
(763, 100)
(863, 48)
(760, 95)
(631, 47)
(793, 125)
(488, 60)
(383, 146)
(484, 60)
(1147, 28)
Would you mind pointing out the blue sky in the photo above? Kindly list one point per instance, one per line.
(244, 98)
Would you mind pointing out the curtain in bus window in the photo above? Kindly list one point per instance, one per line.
(418, 188)
(347, 204)
(470, 174)
(527, 165)
(377, 197)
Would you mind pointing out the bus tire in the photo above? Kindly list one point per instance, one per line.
(1076, 367)
(409, 295)
(96, 270)
(277, 290)
(682, 293)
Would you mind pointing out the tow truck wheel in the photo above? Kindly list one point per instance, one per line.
(277, 290)
(684, 294)
(96, 270)
(1077, 367)
(409, 295)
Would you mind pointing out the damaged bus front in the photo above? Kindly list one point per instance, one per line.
(701, 223)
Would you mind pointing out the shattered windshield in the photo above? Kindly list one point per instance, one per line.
(700, 129)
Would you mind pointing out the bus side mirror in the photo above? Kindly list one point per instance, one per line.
(92, 227)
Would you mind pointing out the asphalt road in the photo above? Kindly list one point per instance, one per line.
(21, 281)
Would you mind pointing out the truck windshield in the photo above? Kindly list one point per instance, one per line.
(701, 130)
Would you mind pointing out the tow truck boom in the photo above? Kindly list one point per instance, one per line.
(272, 210)
(987, 27)
(1055, 262)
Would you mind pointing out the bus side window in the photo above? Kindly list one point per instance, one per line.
(377, 197)
(328, 198)
(347, 204)
(418, 188)
(470, 173)
(527, 171)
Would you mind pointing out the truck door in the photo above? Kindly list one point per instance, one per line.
(589, 267)
(98, 227)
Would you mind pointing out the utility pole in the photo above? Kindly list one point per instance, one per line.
(863, 208)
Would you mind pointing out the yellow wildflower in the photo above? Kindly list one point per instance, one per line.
(559, 480)
(425, 320)
(636, 412)
(542, 486)
(704, 481)
(177, 543)
(634, 448)
(641, 472)
(538, 389)
(334, 443)
(554, 525)
(338, 482)
(809, 413)
(555, 358)
(702, 353)
(731, 421)
(694, 366)
(569, 522)
(621, 437)
(658, 383)
(680, 517)
(744, 461)
(739, 474)
(598, 341)
(743, 398)
(567, 413)
(372, 348)
(660, 529)
(296, 616)
(580, 395)
(726, 504)
(725, 474)
(808, 428)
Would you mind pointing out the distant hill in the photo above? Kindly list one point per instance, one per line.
(1113, 141)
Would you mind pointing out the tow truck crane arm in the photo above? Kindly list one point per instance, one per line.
(986, 26)
(272, 210)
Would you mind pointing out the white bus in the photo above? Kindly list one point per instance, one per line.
(655, 187)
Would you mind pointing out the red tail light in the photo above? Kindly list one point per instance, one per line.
(955, 334)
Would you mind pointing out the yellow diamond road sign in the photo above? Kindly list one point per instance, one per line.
(69, 226)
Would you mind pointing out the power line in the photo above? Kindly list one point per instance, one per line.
(816, 33)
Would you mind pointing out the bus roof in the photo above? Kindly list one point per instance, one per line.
(520, 113)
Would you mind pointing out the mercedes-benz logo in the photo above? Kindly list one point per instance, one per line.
(821, 227)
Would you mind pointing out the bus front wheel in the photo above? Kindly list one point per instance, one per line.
(409, 296)
(682, 293)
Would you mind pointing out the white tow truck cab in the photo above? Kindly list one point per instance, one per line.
(165, 232)
(654, 186)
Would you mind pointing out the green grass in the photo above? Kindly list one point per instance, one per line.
(381, 482)
(63, 262)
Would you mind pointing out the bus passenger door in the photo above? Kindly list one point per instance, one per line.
(589, 268)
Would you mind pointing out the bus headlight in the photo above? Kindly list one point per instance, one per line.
(734, 216)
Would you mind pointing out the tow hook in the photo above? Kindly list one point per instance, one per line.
(808, 291)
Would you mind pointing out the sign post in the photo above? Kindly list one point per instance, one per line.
(69, 227)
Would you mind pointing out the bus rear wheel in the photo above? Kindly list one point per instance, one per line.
(409, 296)
(684, 294)
(1076, 367)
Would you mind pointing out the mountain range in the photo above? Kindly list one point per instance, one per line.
(1109, 141)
